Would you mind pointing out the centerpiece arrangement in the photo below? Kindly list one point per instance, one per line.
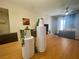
(24, 33)
(27, 41)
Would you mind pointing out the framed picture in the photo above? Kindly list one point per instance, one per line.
(26, 21)
(2, 21)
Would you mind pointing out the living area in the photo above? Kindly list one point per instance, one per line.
(52, 26)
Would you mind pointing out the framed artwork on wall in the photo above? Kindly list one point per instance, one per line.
(26, 21)
(2, 21)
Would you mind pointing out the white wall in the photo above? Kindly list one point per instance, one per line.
(77, 26)
(47, 20)
(54, 24)
(16, 13)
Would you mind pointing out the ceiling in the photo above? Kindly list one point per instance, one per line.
(52, 7)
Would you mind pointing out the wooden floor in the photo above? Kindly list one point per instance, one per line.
(57, 48)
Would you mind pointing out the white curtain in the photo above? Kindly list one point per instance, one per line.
(60, 24)
(66, 22)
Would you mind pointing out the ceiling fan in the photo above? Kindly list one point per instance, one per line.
(69, 11)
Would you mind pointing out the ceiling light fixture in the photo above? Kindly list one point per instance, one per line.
(67, 11)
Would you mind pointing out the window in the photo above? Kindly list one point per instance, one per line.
(62, 24)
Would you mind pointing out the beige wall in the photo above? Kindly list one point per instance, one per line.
(16, 13)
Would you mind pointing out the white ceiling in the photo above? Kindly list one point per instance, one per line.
(47, 6)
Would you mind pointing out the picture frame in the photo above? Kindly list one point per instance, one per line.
(26, 21)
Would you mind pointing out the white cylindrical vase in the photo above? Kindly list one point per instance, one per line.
(28, 48)
(27, 33)
(41, 39)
